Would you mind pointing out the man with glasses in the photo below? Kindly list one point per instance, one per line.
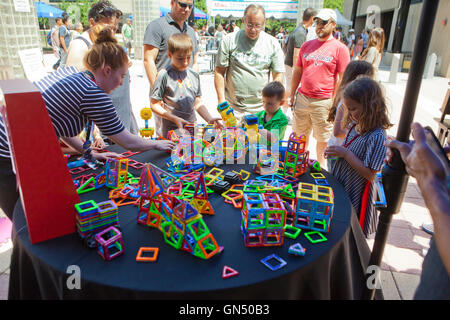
(155, 42)
(320, 65)
(244, 63)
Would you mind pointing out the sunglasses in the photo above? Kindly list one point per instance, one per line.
(109, 12)
(185, 5)
(321, 22)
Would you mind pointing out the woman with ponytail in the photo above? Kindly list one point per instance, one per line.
(73, 99)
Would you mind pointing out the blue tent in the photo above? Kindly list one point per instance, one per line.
(198, 14)
(47, 11)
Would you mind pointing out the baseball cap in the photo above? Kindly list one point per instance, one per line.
(326, 14)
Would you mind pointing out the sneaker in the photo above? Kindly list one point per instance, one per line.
(428, 228)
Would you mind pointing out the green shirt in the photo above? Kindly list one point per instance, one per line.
(277, 125)
(248, 64)
(127, 31)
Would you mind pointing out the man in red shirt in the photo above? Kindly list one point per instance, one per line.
(320, 65)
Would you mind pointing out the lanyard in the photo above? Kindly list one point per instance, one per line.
(347, 144)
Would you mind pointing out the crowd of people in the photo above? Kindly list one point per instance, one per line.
(332, 97)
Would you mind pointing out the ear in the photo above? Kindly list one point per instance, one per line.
(282, 102)
(107, 70)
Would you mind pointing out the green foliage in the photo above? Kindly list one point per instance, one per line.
(43, 23)
(334, 4)
(78, 10)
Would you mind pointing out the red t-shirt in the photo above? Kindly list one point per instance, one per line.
(321, 62)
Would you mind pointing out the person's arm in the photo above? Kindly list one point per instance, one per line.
(352, 160)
(278, 76)
(150, 54)
(204, 113)
(195, 64)
(338, 131)
(76, 144)
(158, 108)
(61, 40)
(219, 83)
(423, 164)
(296, 77)
(132, 142)
(75, 56)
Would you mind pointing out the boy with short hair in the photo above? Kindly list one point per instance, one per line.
(272, 118)
(176, 94)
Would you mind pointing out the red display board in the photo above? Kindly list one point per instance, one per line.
(47, 192)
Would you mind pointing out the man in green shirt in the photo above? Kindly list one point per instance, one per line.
(127, 33)
(244, 62)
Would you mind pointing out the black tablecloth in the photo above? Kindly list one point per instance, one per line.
(330, 270)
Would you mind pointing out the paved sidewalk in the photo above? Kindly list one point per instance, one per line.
(407, 242)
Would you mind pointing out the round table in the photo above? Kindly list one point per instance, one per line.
(330, 270)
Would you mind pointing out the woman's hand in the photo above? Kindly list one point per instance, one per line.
(103, 156)
(164, 145)
(335, 152)
(99, 143)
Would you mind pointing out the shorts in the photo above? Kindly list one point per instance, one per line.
(311, 114)
(127, 43)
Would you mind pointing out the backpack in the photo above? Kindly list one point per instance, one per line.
(49, 38)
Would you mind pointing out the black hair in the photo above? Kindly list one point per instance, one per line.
(103, 9)
(309, 13)
(274, 89)
(64, 19)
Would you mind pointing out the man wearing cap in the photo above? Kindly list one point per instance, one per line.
(319, 67)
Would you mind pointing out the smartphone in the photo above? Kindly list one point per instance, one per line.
(434, 144)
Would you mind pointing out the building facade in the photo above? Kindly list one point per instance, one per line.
(386, 17)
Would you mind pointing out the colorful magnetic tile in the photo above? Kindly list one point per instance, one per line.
(295, 231)
(318, 176)
(139, 256)
(320, 239)
(266, 260)
(321, 182)
(228, 272)
(297, 249)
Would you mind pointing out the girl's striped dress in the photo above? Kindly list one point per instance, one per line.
(369, 148)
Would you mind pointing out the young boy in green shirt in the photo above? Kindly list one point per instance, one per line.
(272, 118)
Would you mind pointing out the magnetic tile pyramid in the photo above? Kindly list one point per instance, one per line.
(181, 224)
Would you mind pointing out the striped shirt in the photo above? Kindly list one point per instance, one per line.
(72, 99)
(369, 148)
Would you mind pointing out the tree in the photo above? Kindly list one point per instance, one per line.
(334, 4)
(77, 10)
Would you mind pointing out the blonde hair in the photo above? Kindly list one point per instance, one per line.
(105, 51)
(180, 42)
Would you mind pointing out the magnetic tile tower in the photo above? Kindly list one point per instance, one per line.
(200, 200)
(92, 217)
(181, 224)
(263, 219)
(116, 172)
(296, 157)
(314, 208)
